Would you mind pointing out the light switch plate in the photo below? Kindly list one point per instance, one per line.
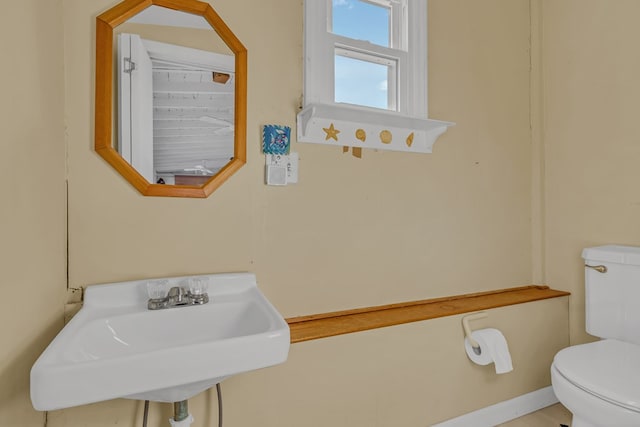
(292, 168)
(281, 169)
(276, 175)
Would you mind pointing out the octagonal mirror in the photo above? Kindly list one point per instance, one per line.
(170, 112)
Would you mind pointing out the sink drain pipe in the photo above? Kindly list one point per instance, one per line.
(181, 415)
(182, 418)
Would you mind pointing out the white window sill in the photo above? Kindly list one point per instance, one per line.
(344, 125)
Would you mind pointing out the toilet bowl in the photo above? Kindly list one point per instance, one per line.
(599, 383)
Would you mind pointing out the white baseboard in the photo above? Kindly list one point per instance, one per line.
(504, 411)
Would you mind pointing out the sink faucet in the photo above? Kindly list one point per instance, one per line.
(178, 297)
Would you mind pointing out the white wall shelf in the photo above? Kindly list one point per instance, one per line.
(345, 125)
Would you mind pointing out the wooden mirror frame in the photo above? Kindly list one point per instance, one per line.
(105, 24)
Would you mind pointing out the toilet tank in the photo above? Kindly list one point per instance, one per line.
(612, 301)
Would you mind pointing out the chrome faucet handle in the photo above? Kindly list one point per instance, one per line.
(157, 289)
(199, 298)
(198, 287)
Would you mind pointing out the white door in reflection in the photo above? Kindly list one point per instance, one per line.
(135, 119)
(176, 109)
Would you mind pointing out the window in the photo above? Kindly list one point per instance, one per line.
(366, 60)
(369, 53)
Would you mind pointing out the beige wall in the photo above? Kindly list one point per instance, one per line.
(32, 211)
(387, 228)
(591, 91)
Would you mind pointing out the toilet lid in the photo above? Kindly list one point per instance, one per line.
(609, 369)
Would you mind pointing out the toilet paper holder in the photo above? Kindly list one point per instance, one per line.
(467, 330)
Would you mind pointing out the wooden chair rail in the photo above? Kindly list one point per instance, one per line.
(315, 326)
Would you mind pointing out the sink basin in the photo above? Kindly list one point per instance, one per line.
(115, 347)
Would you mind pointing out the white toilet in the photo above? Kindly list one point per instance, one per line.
(599, 382)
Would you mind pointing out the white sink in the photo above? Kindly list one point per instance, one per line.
(115, 347)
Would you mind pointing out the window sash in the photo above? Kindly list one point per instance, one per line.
(397, 21)
(389, 62)
(410, 82)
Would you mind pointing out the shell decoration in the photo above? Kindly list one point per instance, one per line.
(410, 139)
(386, 137)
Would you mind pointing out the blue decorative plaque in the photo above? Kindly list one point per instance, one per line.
(275, 139)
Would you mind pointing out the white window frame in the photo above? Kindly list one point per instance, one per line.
(408, 51)
(403, 127)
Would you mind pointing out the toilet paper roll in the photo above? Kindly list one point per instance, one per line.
(493, 347)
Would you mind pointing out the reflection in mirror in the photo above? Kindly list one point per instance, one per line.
(175, 110)
(179, 89)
